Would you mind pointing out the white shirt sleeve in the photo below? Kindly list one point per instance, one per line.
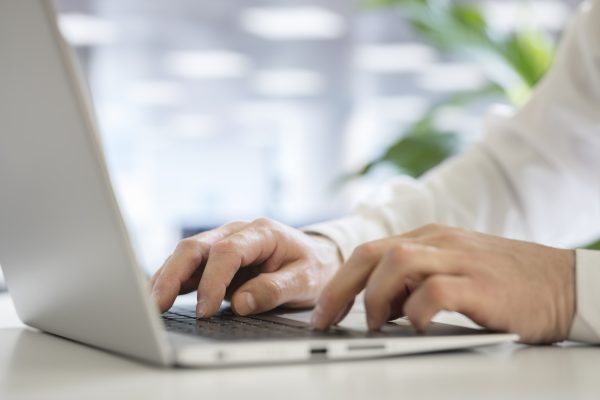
(535, 176)
(586, 324)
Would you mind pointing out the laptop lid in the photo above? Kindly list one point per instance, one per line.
(63, 246)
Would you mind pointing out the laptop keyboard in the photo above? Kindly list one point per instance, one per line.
(228, 326)
(225, 325)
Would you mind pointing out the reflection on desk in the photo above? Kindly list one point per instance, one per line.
(35, 365)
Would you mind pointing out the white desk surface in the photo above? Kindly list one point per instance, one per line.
(34, 365)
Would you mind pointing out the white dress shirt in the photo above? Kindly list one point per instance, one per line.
(535, 176)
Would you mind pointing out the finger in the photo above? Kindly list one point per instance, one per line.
(241, 277)
(397, 304)
(348, 281)
(437, 293)
(270, 290)
(402, 264)
(152, 280)
(252, 245)
(191, 284)
(183, 263)
(343, 313)
(158, 272)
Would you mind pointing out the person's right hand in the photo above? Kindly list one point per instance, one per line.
(258, 265)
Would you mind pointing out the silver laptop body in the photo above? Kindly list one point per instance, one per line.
(64, 248)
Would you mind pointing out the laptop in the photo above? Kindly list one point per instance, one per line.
(66, 254)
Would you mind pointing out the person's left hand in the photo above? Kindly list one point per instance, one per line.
(501, 284)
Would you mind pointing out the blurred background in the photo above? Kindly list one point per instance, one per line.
(212, 111)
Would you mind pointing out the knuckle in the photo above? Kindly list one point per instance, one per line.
(436, 291)
(398, 254)
(188, 244)
(434, 226)
(190, 247)
(450, 235)
(273, 290)
(263, 222)
(447, 236)
(365, 251)
(223, 247)
(235, 224)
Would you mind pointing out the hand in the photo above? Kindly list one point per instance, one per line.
(501, 284)
(259, 266)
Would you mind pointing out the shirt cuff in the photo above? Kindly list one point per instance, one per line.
(586, 324)
(349, 232)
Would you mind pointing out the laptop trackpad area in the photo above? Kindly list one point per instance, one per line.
(356, 321)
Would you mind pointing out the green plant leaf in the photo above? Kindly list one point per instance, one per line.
(594, 246)
(416, 154)
(460, 28)
(424, 146)
(529, 53)
(469, 16)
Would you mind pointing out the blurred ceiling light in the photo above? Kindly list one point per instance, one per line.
(195, 126)
(86, 30)
(401, 109)
(288, 82)
(154, 93)
(209, 64)
(264, 110)
(507, 16)
(452, 77)
(394, 58)
(293, 22)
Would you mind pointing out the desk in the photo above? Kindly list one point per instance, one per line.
(34, 365)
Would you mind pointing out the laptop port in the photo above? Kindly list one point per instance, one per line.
(318, 352)
(378, 346)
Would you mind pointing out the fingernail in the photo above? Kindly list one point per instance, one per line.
(316, 319)
(201, 308)
(246, 304)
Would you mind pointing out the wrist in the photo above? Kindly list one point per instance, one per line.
(329, 248)
(566, 294)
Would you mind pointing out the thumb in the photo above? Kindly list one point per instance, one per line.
(268, 291)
